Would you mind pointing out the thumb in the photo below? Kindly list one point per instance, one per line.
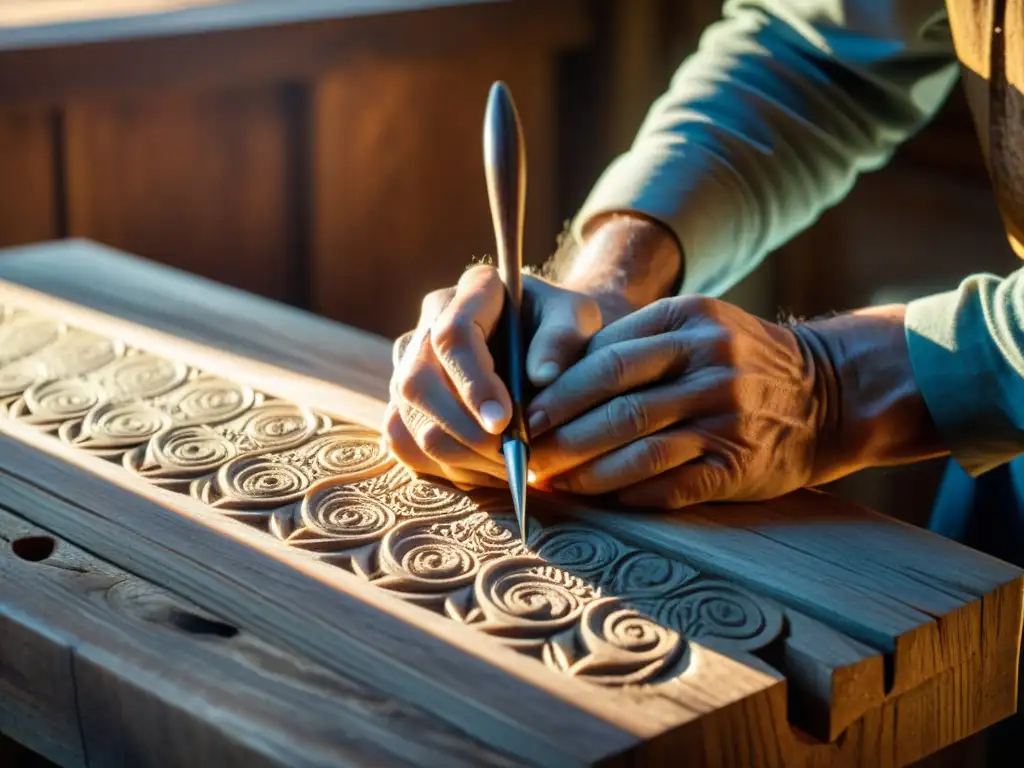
(567, 323)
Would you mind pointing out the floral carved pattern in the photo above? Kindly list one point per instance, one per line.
(578, 599)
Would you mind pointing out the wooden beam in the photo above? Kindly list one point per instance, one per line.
(288, 52)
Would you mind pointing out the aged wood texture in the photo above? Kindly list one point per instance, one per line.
(102, 668)
(416, 151)
(806, 589)
(28, 174)
(206, 182)
(275, 148)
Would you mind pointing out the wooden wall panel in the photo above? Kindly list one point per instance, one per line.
(400, 203)
(203, 181)
(28, 194)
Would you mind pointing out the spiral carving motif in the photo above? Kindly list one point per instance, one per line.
(525, 597)
(142, 376)
(579, 549)
(210, 400)
(79, 352)
(351, 455)
(180, 453)
(115, 426)
(623, 646)
(721, 612)
(424, 564)
(61, 399)
(484, 534)
(15, 378)
(580, 599)
(23, 334)
(256, 482)
(273, 426)
(349, 517)
(642, 575)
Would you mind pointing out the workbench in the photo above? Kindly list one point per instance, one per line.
(210, 559)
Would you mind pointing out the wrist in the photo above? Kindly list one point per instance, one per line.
(626, 262)
(872, 411)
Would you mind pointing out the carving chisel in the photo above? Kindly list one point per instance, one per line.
(505, 168)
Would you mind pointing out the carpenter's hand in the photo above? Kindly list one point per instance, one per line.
(448, 406)
(685, 401)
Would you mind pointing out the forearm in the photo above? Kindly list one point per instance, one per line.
(770, 122)
(873, 413)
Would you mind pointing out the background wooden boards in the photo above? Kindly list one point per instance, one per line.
(946, 620)
(315, 155)
(29, 202)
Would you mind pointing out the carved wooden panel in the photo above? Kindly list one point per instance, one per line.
(797, 632)
(578, 599)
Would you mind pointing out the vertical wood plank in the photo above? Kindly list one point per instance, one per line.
(204, 182)
(400, 205)
(28, 194)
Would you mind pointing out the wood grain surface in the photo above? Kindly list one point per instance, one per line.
(102, 668)
(28, 194)
(205, 181)
(896, 642)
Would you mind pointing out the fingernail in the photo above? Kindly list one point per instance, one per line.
(492, 413)
(537, 422)
(547, 372)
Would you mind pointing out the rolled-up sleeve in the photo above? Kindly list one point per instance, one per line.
(769, 123)
(967, 351)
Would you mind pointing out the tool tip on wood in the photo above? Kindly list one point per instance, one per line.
(516, 456)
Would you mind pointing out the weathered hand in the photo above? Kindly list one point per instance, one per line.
(448, 406)
(685, 401)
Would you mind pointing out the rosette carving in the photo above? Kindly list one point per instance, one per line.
(252, 483)
(112, 427)
(140, 376)
(271, 426)
(645, 575)
(424, 567)
(181, 453)
(579, 549)
(615, 645)
(23, 334)
(721, 614)
(524, 600)
(208, 400)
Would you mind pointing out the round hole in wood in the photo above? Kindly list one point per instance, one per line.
(35, 549)
(199, 625)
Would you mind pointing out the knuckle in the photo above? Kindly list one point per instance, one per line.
(584, 309)
(627, 417)
(674, 498)
(394, 429)
(434, 442)
(654, 454)
(413, 386)
(616, 366)
(451, 335)
(435, 300)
